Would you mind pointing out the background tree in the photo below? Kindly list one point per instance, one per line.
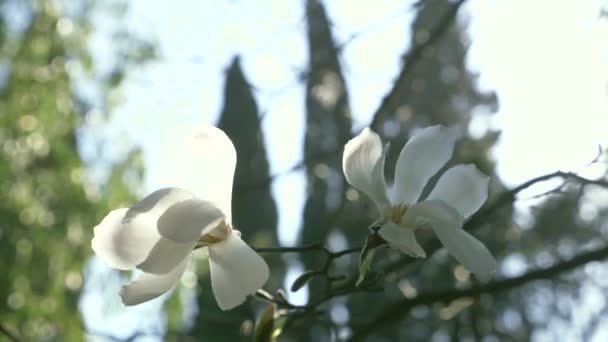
(254, 210)
(49, 204)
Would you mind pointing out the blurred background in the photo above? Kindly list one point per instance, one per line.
(94, 93)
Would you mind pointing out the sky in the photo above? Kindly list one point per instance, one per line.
(550, 75)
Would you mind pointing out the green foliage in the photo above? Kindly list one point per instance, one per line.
(47, 206)
(264, 327)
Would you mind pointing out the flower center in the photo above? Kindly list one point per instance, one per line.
(216, 235)
(395, 213)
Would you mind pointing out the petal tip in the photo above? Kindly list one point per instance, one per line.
(124, 297)
(237, 272)
(489, 270)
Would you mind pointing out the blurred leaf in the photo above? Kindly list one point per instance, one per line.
(279, 324)
(368, 251)
(364, 266)
(303, 279)
(264, 328)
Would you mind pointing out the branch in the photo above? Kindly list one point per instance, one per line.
(415, 54)
(315, 247)
(400, 309)
(510, 196)
(281, 301)
(349, 287)
(323, 271)
(12, 337)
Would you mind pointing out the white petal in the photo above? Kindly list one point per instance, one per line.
(203, 163)
(187, 220)
(165, 256)
(469, 251)
(149, 286)
(125, 245)
(427, 212)
(402, 239)
(446, 222)
(463, 187)
(363, 165)
(420, 159)
(236, 271)
(157, 202)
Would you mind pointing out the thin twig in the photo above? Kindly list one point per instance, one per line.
(314, 247)
(323, 271)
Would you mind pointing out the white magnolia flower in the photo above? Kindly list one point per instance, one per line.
(459, 193)
(157, 234)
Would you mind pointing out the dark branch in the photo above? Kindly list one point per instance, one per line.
(280, 301)
(315, 247)
(323, 271)
(400, 309)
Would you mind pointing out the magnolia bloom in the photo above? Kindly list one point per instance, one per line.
(459, 193)
(157, 234)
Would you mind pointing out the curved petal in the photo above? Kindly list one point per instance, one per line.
(165, 256)
(125, 245)
(157, 202)
(423, 155)
(236, 271)
(402, 239)
(187, 220)
(469, 251)
(425, 213)
(446, 222)
(203, 163)
(363, 165)
(149, 286)
(463, 187)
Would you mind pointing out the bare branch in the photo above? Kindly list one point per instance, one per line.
(323, 271)
(398, 310)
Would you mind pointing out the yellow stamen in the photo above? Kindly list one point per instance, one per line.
(209, 239)
(395, 213)
(216, 235)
